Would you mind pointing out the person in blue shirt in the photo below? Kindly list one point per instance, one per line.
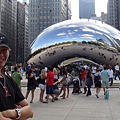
(105, 79)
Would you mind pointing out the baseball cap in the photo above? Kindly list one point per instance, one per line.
(3, 40)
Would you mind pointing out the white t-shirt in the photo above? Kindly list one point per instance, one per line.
(94, 69)
(110, 72)
(68, 77)
(12, 68)
(117, 68)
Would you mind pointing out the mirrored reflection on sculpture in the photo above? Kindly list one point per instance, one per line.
(89, 39)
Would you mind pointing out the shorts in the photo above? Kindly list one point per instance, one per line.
(50, 89)
(31, 87)
(105, 84)
(43, 87)
(55, 87)
(83, 83)
(68, 84)
(98, 84)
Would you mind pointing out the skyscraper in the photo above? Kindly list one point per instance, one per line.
(113, 10)
(14, 25)
(26, 37)
(86, 8)
(8, 24)
(20, 33)
(43, 13)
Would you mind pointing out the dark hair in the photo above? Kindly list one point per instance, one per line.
(29, 72)
(83, 68)
(97, 70)
(105, 68)
(50, 68)
(15, 68)
(64, 72)
(67, 70)
(89, 72)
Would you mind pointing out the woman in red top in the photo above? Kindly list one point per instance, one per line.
(83, 78)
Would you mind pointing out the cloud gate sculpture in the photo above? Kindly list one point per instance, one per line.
(82, 38)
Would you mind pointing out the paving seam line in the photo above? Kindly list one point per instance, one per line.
(72, 108)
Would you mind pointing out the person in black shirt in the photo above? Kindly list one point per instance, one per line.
(31, 85)
(13, 105)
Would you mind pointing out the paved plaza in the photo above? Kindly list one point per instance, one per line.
(78, 107)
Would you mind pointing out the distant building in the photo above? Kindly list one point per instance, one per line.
(14, 25)
(113, 10)
(104, 17)
(8, 25)
(20, 33)
(44, 13)
(86, 8)
(26, 31)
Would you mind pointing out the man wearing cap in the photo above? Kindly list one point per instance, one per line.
(13, 105)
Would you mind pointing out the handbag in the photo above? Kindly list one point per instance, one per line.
(64, 82)
(56, 91)
(89, 82)
(36, 83)
(106, 96)
(38, 80)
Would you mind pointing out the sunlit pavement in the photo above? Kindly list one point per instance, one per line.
(78, 107)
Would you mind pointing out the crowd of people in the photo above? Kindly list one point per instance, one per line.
(49, 79)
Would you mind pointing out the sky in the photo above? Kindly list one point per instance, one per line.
(100, 6)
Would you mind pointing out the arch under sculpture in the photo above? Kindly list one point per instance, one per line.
(89, 39)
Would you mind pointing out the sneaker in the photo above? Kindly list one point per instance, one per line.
(96, 96)
(52, 100)
(55, 98)
(80, 91)
(45, 102)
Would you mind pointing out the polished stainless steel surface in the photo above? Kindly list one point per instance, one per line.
(90, 39)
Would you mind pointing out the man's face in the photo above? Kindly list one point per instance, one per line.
(4, 54)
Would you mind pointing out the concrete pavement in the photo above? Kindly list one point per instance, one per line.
(78, 107)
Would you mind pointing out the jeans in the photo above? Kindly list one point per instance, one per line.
(89, 91)
(117, 75)
(111, 81)
(80, 80)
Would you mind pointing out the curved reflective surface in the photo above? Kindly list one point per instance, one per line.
(76, 38)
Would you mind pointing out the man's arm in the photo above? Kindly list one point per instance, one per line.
(25, 111)
(20, 76)
(3, 118)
